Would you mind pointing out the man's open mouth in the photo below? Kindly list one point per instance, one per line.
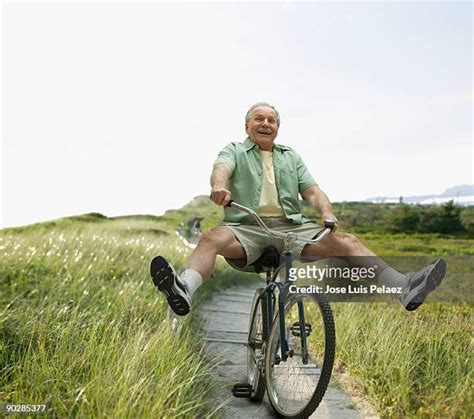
(265, 132)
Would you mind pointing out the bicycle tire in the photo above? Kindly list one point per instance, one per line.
(258, 334)
(293, 379)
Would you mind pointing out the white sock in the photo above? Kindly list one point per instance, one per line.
(192, 279)
(391, 278)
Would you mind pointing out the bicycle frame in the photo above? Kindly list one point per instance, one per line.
(289, 239)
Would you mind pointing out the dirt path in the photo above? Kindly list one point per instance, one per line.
(225, 322)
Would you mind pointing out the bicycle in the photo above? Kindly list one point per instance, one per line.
(291, 340)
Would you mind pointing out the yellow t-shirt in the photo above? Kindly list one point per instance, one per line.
(269, 205)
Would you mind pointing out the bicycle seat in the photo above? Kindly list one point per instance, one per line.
(269, 259)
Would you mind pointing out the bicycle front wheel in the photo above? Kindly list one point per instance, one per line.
(296, 385)
(258, 334)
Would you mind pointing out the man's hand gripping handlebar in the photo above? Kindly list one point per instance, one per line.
(220, 196)
(329, 225)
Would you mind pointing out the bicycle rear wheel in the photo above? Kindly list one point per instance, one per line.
(296, 386)
(258, 334)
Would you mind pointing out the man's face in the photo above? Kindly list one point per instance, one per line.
(262, 128)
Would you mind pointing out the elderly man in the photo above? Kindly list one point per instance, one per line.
(268, 177)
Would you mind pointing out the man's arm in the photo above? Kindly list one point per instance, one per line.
(320, 202)
(220, 177)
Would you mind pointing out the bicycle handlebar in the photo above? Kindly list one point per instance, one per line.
(328, 225)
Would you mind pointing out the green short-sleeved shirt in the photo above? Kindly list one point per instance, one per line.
(291, 177)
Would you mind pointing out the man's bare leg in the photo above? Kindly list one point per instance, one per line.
(337, 245)
(349, 248)
(415, 286)
(220, 241)
(179, 289)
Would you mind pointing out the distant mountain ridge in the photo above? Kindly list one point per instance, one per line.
(460, 194)
(460, 190)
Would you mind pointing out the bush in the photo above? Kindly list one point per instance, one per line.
(425, 219)
(443, 219)
(467, 219)
(404, 218)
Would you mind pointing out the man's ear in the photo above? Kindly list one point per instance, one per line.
(246, 128)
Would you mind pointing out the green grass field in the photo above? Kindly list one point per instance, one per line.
(83, 329)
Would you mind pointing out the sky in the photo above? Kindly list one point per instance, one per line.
(121, 108)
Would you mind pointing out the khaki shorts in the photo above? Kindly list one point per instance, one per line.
(254, 239)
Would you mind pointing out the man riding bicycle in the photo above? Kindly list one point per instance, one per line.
(268, 178)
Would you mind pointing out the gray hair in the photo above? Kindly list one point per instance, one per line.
(249, 112)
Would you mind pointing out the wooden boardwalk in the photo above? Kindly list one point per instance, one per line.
(225, 323)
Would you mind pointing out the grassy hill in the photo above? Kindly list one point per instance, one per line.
(83, 329)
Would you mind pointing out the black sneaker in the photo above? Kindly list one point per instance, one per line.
(421, 283)
(168, 282)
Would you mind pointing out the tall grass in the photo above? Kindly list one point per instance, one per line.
(409, 364)
(83, 329)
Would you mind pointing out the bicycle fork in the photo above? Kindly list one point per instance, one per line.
(300, 330)
(304, 344)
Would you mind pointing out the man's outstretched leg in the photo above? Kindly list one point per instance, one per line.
(415, 286)
(179, 289)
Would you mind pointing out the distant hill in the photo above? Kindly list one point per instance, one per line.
(461, 195)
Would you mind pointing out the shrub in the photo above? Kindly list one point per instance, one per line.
(404, 218)
(443, 219)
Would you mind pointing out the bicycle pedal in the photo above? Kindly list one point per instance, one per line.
(242, 390)
(296, 329)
